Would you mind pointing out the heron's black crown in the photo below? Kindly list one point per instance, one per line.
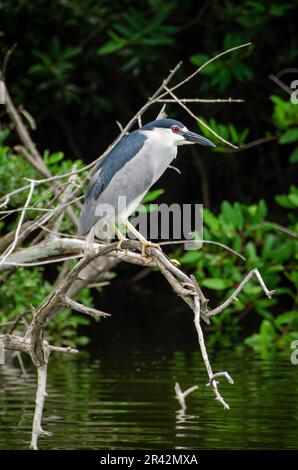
(164, 123)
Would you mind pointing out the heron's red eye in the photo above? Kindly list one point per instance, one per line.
(175, 129)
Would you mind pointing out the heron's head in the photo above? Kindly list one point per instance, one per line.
(173, 132)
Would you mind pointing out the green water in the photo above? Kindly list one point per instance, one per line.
(125, 400)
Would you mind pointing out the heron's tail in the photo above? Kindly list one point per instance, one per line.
(87, 218)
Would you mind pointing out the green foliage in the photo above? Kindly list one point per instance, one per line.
(290, 201)
(146, 204)
(59, 165)
(222, 73)
(255, 13)
(285, 113)
(294, 156)
(139, 33)
(245, 229)
(290, 136)
(152, 195)
(29, 287)
(22, 289)
(13, 170)
(54, 69)
(226, 131)
(276, 332)
(285, 117)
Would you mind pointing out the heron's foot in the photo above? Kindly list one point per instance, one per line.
(148, 244)
(120, 243)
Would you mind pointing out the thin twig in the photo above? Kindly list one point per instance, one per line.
(94, 313)
(201, 100)
(12, 247)
(202, 67)
(233, 296)
(180, 396)
(213, 383)
(283, 229)
(155, 98)
(207, 242)
(39, 404)
(196, 118)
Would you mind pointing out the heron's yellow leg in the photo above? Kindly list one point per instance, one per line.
(120, 237)
(89, 242)
(145, 243)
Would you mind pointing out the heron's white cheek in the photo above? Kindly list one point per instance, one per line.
(178, 139)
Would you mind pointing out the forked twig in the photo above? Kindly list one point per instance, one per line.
(17, 232)
(213, 383)
(180, 396)
(233, 296)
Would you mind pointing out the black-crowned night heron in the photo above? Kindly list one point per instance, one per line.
(129, 170)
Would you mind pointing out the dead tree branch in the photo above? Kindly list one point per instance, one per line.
(23, 213)
(29, 150)
(233, 297)
(180, 396)
(94, 313)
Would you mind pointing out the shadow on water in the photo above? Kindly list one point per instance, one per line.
(126, 401)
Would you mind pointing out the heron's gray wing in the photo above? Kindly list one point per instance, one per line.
(123, 151)
(125, 174)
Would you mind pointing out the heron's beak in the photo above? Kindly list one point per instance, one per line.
(196, 138)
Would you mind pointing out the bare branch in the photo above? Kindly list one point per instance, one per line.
(94, 313)
(180, 396)
(24, 134)
(283, 229)
(233, 297)
(39, 404)
(27, 156)
(201, 100)
(29, 151)
(196, 118)
(213, 383)
(162, 113)
(67, 350)
(2, 260)
(208, 242)
(196, 72)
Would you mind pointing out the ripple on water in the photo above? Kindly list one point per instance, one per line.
(130, 404)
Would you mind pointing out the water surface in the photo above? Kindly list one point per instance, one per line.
(125, 400)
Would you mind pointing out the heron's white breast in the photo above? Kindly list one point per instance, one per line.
(160, 149)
